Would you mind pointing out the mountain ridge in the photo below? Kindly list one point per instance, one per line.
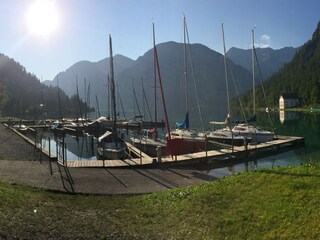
(300, 76)
(208, 69)
(270, 60)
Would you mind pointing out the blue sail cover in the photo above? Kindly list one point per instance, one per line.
(184, 124)
(251, 119)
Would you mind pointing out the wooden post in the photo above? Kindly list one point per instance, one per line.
(206, 139)
(57, 153)
(49, 147)
(245, 146)
(50, 166)
(159, 154)
(65, 155)
(41, 148)
(140, 157)
(232, 141)
(140, 153)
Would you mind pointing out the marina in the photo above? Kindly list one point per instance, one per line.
(191, 158)
(137, 158)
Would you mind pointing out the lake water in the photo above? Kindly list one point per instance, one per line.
(305, 124)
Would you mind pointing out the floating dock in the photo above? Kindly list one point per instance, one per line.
(224, 154)
(281, 143)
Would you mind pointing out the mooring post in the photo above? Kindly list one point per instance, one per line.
(49, 147)
(40, 148)
(57, 154)
(245, 144)
(65, 154)
(159, 154)
(35, 140)
(206, 145)
(232, 141)
(50, 166)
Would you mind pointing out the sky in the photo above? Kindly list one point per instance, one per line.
(79, 29)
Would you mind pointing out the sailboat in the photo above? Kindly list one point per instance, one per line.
(191, 140)
(257, 134)
(149, 141)
(226, 135)
(110, 145)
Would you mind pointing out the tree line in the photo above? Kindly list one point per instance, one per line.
(301, 76)
(23, 95)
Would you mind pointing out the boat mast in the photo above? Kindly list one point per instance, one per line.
(225, 68)
(185, 63)
(79, 101)
(160, 83)
(98, 108)
(135, 98)
(155, 83)
(124, 115)
(88, 101)
(59, 100)
(193, 77)
(85, 98)
(253, 77)
(108, 90)
(113, 97)
(145, 102)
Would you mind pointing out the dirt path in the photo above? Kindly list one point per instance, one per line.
(20, 164)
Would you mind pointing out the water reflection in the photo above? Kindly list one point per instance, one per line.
(283, 159)
(288, 116)
(304, 124)
(78, 147)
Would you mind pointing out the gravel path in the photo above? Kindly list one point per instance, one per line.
(19, 163)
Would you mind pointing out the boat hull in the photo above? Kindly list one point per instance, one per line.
(258, 137)
(178, 146)
(111, 147)
(257, 134)
(230, 141)
(109, 154)
(149, 146)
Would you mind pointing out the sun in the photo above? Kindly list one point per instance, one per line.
(42, 18)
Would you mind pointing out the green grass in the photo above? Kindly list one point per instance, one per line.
(280, 203)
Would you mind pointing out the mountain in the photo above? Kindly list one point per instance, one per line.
(95, 74)
(300, 76)
(208, 70)
(270, 60)
(22, 94)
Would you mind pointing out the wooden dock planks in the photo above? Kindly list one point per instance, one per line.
(225, 154)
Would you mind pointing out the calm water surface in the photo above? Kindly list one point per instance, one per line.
(304, 124)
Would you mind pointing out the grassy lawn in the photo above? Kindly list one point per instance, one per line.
(280, 203)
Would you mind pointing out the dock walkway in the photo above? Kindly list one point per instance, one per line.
(222, 154)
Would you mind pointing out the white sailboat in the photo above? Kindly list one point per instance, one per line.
(192, 140)
(257, 134)
(226, 135)
(110, 145)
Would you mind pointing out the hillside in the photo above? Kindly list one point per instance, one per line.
(23, 93)
(301, 75)
(270, 60)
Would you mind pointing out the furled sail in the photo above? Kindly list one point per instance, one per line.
(184, 124)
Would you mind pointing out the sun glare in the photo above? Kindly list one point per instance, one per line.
(42, 18)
